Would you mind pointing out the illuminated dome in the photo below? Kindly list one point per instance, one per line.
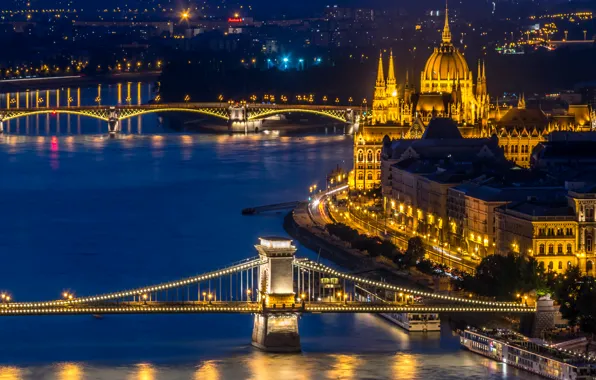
(446, 62)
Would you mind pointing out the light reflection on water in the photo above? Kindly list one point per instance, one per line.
(97, 214)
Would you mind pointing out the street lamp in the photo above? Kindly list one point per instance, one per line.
(248, 293)
(204, 296)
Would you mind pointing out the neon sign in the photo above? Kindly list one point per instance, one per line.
(235, 19)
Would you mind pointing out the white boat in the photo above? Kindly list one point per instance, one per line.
(518, 351)
(421, 322)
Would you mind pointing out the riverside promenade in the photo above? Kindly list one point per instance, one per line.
(303, 226)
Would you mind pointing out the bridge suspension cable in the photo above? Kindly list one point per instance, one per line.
(316, 267)
(138, 292)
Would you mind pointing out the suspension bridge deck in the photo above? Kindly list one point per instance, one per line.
(237, 307)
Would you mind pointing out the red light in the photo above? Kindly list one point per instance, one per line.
(234, 19)
(53, 112)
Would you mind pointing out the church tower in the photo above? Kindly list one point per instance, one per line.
(379, 105)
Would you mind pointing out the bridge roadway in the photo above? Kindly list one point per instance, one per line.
(218, 110)
(236, 307)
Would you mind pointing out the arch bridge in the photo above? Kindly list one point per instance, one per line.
(276, 287)
(240, 118)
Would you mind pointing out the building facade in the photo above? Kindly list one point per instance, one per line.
(558, 234)
(449, 89)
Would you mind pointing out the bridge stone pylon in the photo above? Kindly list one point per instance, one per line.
(113, 120)
(276, 331)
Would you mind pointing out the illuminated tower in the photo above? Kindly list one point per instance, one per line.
(391, 93)
(379, 106)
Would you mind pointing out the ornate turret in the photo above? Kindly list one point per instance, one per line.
(391, 92)
(521, 103)
(379, 105)
(446, 30)
(407, 88)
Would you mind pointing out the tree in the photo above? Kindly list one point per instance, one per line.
(415, 251)
(504, 277)
(576, 295)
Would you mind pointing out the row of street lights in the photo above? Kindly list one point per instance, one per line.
(270, 98)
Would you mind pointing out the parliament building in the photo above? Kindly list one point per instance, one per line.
(449, 89)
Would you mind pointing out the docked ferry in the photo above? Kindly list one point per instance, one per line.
(415, 321)
(517, 350)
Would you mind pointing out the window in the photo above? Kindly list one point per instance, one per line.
(541, 249)
(369, 156)
(560, 249)
(541, 231)
(360, 176)
(550, 266)
(589, 244)
(378, 175)
(369, 176)
(560, 265)
(551, 249)
(589, 214)
(551, 232)
(569, 249)
(589, 266)
(559, 231)
(360, 156)
(378, 156)
(569, 265)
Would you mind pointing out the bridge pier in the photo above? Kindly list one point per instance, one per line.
(113, 121)
(275, 330)
(113, 126)
(1, 126)
(238, 121)
(544, 319)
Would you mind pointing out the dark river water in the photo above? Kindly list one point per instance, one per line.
(90, 214)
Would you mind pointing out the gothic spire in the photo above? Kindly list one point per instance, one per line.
(446, 30)
(380, 75)
(521, 104)
(391, 73)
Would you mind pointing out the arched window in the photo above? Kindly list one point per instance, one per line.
(560, 265)
(569, 265)
(569, 249)
(378, 156)
(369, 176)
(360, 156)
(589, 266)
(589, 244)
(369, 156)
(550, 266)
(560, 249)
(541, 249)
(378, 175)
(551, 249)
(360, 176)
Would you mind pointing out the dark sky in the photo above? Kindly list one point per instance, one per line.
(294, 5)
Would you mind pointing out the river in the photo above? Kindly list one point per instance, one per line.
(91, 214)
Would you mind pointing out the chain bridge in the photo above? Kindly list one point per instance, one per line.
(276, 287)
(240, 117)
